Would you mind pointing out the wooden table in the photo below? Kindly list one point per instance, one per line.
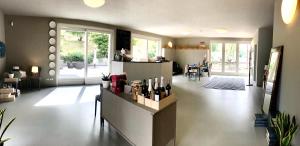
(137, 123)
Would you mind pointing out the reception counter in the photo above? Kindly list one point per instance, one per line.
(143, 70)
(137, 123)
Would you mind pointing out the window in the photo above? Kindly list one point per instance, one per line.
(144, 48)
(230, 57)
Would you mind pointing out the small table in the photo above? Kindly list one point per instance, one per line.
(13, 82)
(35, 80)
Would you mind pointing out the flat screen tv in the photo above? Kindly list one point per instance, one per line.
(123, 39)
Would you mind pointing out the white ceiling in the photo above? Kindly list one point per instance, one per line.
(176, 18)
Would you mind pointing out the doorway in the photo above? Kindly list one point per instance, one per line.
(83, 55)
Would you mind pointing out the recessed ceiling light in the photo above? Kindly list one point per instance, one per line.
(94, 3)
(221, 30)
(288, 10)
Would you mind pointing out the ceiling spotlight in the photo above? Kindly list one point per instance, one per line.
(288, 10)
(221, 30)
(94, 3)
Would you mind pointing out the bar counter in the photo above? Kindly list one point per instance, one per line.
(138, 124)
(143, 70)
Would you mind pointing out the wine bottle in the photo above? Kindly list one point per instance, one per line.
(150, 90)
(144, 89)
(162, 88)
(156, 91)
(168, 89)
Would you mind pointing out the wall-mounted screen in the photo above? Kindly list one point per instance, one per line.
(123, 39)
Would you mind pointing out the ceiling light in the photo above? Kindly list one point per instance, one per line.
(94, 3)
(221, 30)
(288, 10)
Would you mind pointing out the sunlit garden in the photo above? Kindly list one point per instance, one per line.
(78, 48)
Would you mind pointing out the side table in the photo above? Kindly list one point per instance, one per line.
(35, 82)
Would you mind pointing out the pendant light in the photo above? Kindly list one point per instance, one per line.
(94, 3)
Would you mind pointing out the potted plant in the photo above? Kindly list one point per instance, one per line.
(2, 141)
(105, 80)
(285, 129)
(11, 75)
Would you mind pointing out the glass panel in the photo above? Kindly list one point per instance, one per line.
(139, 49)
(71, 63)
(230, 57)
(97, 54)
(152, 49)
(216, 57)
(244, 58)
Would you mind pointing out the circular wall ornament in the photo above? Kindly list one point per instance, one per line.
(52, 41)
(52, 32)
(52, 49)
(51, 64)
(52, 24)
(51, 57)
(51, 72)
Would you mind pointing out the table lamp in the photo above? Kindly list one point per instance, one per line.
(35, 70)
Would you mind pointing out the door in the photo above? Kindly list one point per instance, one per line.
(217, 57)
(230, 62)
(71, 56)
(83, 55)
(97, 56)
(230, 58)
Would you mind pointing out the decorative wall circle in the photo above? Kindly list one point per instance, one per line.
(52, 32)
(52, 49)
(51, 72)
(51, 57)
(51, 64)
(52, 24)
(52, 41)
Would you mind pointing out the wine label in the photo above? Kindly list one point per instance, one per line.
(167, 92)
(156, 97)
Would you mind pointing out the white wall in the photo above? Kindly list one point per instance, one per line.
(288, 35)
(263, 40)
(2, 38)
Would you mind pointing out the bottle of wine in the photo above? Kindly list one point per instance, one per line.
(168, 89)
(156, 91)
(162, 88)
(144, 89)
(150, 90)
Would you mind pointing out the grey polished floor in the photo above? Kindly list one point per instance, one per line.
(64, 116)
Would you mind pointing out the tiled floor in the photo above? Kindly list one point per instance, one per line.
(64, 116)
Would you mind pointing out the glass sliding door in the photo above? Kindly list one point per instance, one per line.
(71, 54)
(230, 58)
(230, 63)
(97, 54)
(216, 57)
(83, 55)
(244, 52)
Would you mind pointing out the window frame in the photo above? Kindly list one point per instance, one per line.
(148, 38)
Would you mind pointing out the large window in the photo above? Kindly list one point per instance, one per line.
(83, 54)
(144, 48)
(230, 57)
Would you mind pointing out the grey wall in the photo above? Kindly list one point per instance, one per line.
(263, 39)
(27, 41)
(288, 35)
(2, 38)
(194, 56)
